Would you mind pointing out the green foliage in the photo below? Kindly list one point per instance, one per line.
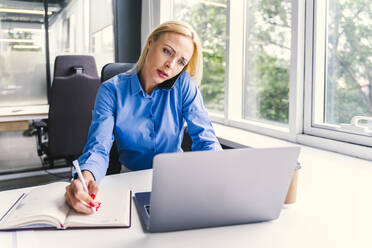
(273, 88)
(349, 61)
(270, 33)
(210, 23)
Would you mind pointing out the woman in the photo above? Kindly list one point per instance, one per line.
(146, 108)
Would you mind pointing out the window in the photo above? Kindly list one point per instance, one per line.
(296, 70)
(102, 32)
(22, 54)
(268, 56)
(84, 27)
(341, 102)
(249, 44)
(102, 46)
(72, 30)
(209, 20)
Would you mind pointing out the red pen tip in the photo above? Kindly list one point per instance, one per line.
(98, 206)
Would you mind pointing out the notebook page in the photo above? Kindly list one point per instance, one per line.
(114, 210)
(41, 202)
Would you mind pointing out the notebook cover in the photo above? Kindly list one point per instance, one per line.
(69, 228)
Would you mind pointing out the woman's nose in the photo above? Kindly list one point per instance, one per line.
(169, 63)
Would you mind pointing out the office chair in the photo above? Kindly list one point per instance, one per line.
(108, 71)
(72, 97)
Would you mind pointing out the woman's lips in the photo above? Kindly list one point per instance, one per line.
(162, 74)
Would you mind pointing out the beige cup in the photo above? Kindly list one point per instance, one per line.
(292, 191)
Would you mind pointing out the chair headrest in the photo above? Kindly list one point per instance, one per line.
(112, 69)
(66, 65)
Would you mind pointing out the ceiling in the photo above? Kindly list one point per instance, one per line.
(28, 11)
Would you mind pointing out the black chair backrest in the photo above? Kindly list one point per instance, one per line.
(113, 69)
(63, 65)
(73, 94)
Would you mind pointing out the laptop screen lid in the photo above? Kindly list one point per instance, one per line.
(215, 188)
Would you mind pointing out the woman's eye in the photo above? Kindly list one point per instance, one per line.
(181, 62)
(166, 51)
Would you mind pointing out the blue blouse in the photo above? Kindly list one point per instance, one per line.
(144, 125)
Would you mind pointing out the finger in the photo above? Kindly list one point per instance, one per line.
(78, 194)
(67, 198)
(93, 189)
(82, 207)
(76, 204)
(68, 195)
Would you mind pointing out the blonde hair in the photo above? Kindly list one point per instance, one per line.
(195, 65)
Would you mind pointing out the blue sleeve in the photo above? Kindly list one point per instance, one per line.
(199, 125)
(96, 152)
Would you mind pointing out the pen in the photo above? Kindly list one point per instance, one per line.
(78, 171)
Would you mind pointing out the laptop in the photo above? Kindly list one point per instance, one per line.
(216, 188)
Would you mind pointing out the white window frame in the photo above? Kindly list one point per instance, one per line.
(299, 128)
(315, 80)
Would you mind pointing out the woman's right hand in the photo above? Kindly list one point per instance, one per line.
(77, 198)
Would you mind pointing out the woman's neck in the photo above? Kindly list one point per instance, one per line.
(146, 84)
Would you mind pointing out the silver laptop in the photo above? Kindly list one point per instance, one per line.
(216, 188)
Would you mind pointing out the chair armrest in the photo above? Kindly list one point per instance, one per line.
(40, 124)
(41, 130)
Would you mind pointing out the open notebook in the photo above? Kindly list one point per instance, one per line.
(45, 207)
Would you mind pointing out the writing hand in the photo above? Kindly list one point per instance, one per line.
(77, 198)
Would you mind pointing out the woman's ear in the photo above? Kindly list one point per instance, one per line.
(149, 42)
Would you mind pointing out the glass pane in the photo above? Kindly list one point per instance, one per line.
(209, 20)
(84, 27)
(102, 32)
(268, 53)
(103, 46)
(22, 54)
(349, 61)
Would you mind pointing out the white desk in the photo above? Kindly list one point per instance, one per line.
(23, 113)
(16, 118)
(338, 215)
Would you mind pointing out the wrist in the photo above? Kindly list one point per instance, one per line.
(88, 176)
